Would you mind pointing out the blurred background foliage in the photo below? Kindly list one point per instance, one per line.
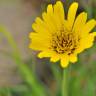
(21, 72)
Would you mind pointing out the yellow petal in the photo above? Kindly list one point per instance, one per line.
(38, 41)
(41, 31)
(59, 12)
(36, 45)
(80, 22)
(50, 9)
(54, 58)
(45, 54)
(48, 20)
(38, 28)
(39, 24)
(89, 26)
(39, 21)
(80, 48)
(64, 61)
(30, 35)
(40, 37)
(73, 58)
(86, 42)
(72, 13)
(89, 40)
(50, 17)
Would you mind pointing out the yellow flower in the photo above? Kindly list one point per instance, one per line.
(62, 38)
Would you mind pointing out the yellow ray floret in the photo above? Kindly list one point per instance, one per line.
(59, 38)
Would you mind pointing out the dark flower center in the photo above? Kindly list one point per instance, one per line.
(64, 42)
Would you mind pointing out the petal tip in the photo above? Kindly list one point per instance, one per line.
(39, 55)
(30, 35)
(75, 3)
(59, 3)
(64, 64)
(49, 6)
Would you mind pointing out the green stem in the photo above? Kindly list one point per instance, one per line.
(27, 74)
(65, 82)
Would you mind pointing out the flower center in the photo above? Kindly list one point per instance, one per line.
(64, 41)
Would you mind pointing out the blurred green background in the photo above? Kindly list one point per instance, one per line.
(21, 72)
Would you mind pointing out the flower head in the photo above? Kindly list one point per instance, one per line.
(62, 38)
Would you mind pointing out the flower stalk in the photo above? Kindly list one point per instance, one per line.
(65, 82)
